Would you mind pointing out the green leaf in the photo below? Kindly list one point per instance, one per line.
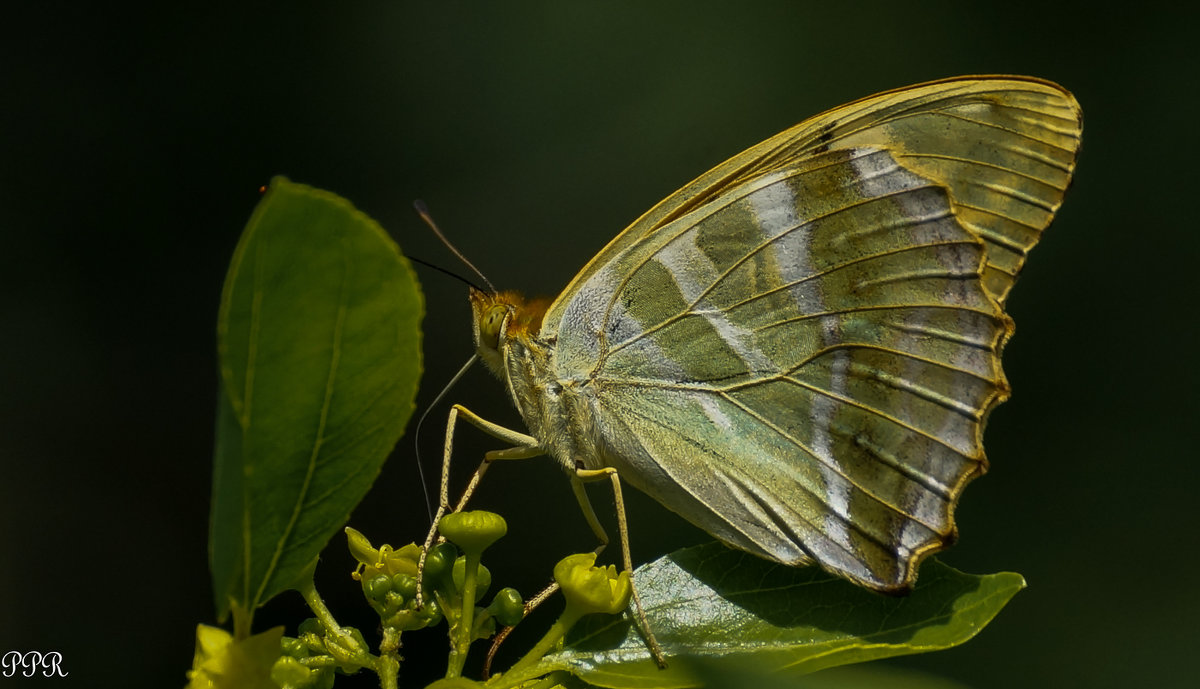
(718, 611)
(222, 662)
(862, 676)
(875, 676)
(319, 343)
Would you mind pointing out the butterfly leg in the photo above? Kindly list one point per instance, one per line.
(589, 513)
(523, 446)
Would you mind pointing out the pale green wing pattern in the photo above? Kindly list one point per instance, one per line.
(798, 351)
(1004, 146)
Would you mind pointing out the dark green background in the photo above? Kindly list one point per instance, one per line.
(133, 143)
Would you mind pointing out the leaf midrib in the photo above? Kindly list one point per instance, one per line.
(318, 442)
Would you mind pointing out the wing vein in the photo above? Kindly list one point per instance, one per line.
(917, 477)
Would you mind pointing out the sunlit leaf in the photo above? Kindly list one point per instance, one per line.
(319, 343)
(221, 662)
(717, 611)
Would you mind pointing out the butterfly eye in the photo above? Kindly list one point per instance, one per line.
(490, 325)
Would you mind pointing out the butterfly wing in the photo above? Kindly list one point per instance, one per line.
(1004, 146)
(798, 351)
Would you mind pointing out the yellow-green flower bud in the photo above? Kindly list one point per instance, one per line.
(403, 560)
(473, 531)
(377, 587)
(348, 649)
(507, 607)
(294, 647)
(483, 578)
(405, 585)
(311, 627)
(361, 548)
(392, 603)
(590, 589)
(438, 563)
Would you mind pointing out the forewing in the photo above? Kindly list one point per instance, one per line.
(1004, 148)
(802, 366)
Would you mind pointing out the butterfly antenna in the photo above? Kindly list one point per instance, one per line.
(417, 433)
(444, 271)
(423, 211)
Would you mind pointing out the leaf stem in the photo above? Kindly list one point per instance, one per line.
(359, 655)
(553, 635)
(387, 667)
(242, 621)
(388, 664)
(309, 591)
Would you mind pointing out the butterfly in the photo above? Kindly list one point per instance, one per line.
(798, 351)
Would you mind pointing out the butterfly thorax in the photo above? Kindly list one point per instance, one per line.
(508, 340)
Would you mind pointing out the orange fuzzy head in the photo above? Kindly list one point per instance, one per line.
(501, 317)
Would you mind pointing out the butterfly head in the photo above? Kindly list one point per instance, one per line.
(501, 318)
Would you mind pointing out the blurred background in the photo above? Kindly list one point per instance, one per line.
(133, 145)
